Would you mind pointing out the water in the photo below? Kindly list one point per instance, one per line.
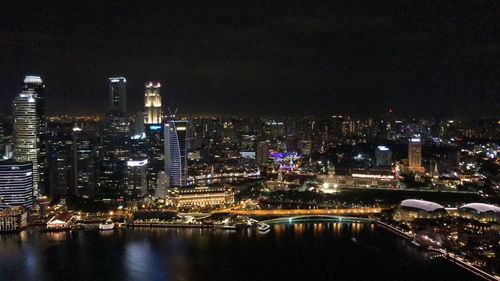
(287, 252)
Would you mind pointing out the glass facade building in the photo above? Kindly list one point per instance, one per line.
(176, 152)
(16, 184)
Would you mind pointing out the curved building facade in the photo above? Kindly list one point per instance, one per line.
(412, 209)
(480, 211)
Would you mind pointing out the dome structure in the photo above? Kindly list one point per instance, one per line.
(481, 207)
(421, 205)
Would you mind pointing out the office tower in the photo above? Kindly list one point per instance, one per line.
(262, 153)
(138, 126)
(152, 104)
(383, 156)
(156, 152)
(83, 164)
(117, 96)
(176, 152)
(415, 154)
(16, 183)
(35, 83)
(26, 132)
(30, 131)
(137, 178)
(162, 185)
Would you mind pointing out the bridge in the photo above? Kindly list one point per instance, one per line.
(311, 218)
(353, 212)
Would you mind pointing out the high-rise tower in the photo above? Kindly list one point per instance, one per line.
(415, 154)
(30, 129)
(176, 152)
(152, 104)
(118, 96)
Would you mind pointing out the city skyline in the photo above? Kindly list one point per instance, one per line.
(249, 140)
(272, 58)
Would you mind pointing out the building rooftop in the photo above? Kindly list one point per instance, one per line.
(481, 207)
(421, 204)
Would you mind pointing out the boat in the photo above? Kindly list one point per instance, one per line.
(262, 227)
(353, 239)
(108, 225)
(228, 227)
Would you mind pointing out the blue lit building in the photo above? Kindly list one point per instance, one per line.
(176, 152)
(16, 184)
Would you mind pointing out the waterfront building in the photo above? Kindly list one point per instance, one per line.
(412, 209)
(176, 152)
(16, 184)
(12, 219)
(61, 221)
(118, 96)
(480, 212)
(152, 104)
(201, 196)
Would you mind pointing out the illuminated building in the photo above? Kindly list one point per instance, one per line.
(35, 83)
(383, 156)
(118, 96)
(176, 152)
(201, 196)
(83, 164)
(137, 178)
(480, 211)
(12, 219)
(16, 184)
(156, 152)
(415, 154)
(412, 209)
(30, 130)
(61, 221)
(152, 104)
(162, 185)
(361, 177)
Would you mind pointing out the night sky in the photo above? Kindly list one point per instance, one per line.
(421, 58)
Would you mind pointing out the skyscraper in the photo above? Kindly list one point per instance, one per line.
(26, 132)
(383, 155)
(137, 177)
(152, 104)
(415, 154)
(35, 83)
(30, 131)
(118, 96)
(16, 184)
(176, 152)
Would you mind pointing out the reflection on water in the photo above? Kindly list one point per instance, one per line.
(299, 251)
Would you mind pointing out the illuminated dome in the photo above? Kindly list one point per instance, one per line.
(481, 207)
(421, 205)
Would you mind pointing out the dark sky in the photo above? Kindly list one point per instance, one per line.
(259, 57)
